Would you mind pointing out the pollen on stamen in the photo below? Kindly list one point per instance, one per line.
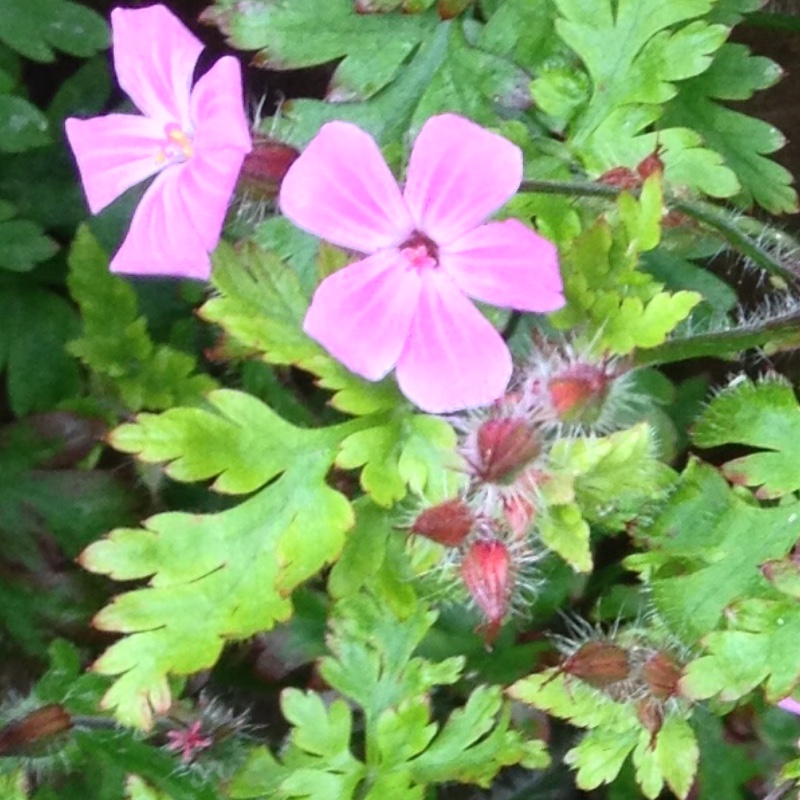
(176, 146)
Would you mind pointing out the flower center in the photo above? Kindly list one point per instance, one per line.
(176, 146)
(420, 252)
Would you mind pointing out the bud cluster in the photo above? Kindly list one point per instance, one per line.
(628, 667)
(490, 527)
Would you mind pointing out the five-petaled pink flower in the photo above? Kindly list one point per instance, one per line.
(195, 138)
(406, 303)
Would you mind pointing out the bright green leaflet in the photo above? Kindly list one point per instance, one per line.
(763, 415)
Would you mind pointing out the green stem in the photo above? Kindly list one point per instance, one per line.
(783, 330)
(701, 212)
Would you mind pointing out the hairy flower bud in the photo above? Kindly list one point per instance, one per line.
(23, 736)
(265, 166)
(650, 165)
(447, 523)
(598, 663)
(577, 395)
(661, 674)
(487, 574)
(505, 446)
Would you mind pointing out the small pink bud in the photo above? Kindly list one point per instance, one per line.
(505, 446)
(486, 572)
(651, 164)
(447, 523)
(265, 167)
(580, 392)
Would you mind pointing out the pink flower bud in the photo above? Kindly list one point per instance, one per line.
(579, 393)
(487, 574)
(505, 446)
(264, 168)
(447, 523)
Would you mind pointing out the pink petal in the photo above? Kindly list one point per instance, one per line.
(459, 174)
(113, 152)
(788, 704)
(362, 313)
(505, 264)
(341, 190)
(162, 239)
(453, 357)
(204, 185)
(154, 58)
(218, 109)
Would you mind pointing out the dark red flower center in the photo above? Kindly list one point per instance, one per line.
(420, 252)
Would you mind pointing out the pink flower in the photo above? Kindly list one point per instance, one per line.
(788, 704)
(188, 741)
(406, 304)
(193, 139)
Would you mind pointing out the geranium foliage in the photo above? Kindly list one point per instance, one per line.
(425, 427)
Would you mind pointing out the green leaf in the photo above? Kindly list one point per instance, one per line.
(761, 646)
(35, 28)
(302, 33)
(742, 141)
(671, 755)
(13, 785)
(372, 651)
(672, 759)
(115, 343)
(474, 744)
(226, 443)
(474, 83)
(22, 125)
(137, 789)
(262, 307)
(373, 664)
(212, 578)
(36, 323)
(407, 451)
(386, 116)
(634, 51)
(697, 570)
(23, 244)
(623, 307)
(763, 415)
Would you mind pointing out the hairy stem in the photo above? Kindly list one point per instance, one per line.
(780, 331)
(704, 213)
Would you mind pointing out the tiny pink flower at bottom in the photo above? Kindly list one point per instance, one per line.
(188, 741)
(406, 305)
(193, 139)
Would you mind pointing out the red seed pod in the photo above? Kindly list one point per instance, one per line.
(487, 574)
(661, 674)
(505, 446)
(448, 523)
(620, 178)
(598, 663)
(265, 167)
(22, 736)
